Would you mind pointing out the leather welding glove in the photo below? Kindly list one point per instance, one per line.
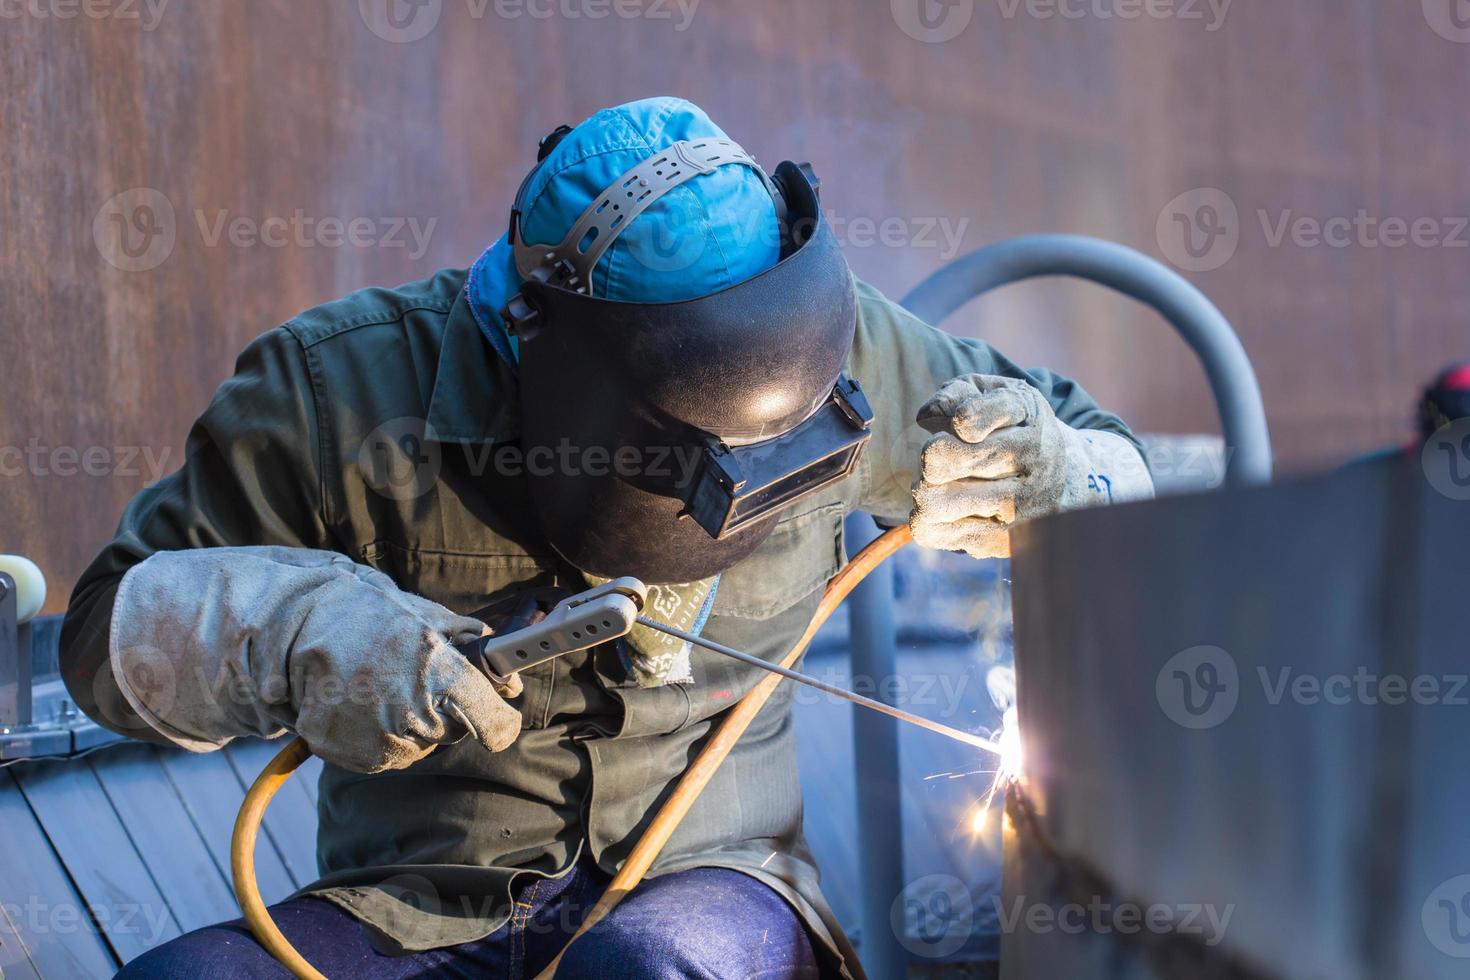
(215, 643)
(1000, 455)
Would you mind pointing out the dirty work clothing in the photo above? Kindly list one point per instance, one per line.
(384, 426)
(706, 923)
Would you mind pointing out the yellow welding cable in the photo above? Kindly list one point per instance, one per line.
(242, 858)
(640, 859)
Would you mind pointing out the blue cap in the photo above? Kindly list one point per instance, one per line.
(714, 231)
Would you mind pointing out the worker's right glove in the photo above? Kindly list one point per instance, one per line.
(1000, 455)
(215, 643)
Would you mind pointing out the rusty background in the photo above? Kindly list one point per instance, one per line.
(1039, 115)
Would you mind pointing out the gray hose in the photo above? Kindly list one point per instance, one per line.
(1203, 327)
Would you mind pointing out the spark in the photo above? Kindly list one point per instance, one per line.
(1008, 739)
(958, 775)
(1001, 682)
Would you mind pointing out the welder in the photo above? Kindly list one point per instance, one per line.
(663, 369)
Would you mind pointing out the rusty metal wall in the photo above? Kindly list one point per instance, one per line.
(121, 315)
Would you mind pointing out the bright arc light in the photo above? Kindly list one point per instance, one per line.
(1008, 767)
(1010, 747)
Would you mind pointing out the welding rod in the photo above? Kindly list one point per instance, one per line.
(809, 681)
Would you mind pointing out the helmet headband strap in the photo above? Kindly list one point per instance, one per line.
(569, 264)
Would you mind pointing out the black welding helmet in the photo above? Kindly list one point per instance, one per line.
(663, 439)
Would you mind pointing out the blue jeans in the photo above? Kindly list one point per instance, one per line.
(709, 923)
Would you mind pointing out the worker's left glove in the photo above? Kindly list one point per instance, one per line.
(1000, 455)
(212, 644)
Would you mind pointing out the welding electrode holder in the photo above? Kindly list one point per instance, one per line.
(609, 611)
(577, 622)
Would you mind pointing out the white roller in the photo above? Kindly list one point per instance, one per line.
(30, 585)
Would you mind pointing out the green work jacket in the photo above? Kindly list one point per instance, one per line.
(383, 426)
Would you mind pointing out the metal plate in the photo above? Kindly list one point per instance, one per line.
(1194, 736)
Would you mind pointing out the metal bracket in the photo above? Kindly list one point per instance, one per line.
(37, 716)
(15, 660)
(854, 404)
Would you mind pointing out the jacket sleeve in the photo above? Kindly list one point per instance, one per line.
(251, 476)
(901, 361)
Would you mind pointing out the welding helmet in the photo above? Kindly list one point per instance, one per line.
(671, 435)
